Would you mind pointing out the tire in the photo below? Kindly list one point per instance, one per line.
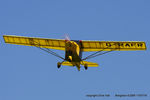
(58, 65)
(85, 66)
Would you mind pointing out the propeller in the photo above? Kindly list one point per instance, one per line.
(67, 38)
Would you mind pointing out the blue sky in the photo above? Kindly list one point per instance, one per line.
(26, 73)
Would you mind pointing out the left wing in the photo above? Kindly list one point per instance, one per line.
(112, 45)
(38, 42)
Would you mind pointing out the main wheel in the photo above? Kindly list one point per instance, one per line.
(85, 66)
(58, 65)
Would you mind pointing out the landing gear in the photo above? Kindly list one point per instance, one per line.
(85, 66)
(58, 65)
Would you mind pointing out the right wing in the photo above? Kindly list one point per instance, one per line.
(112, 45)
(37, 42)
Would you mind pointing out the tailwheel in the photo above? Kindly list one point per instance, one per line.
(58, 65)
(86, 66)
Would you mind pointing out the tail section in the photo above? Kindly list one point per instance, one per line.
(86, 64)
(89, 64)
(67, 63)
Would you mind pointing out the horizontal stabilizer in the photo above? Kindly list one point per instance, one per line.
(89, 64)
(67, 63)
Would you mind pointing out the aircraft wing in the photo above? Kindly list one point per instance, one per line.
(38, 42)
(112, 45)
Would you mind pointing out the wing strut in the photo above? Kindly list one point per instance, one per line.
(98, 53)
(48, 51)
(51, 52)
(94, 55)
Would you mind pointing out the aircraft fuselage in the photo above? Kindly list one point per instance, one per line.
(72, 53)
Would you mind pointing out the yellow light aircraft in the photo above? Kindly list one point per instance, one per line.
(74, 48)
